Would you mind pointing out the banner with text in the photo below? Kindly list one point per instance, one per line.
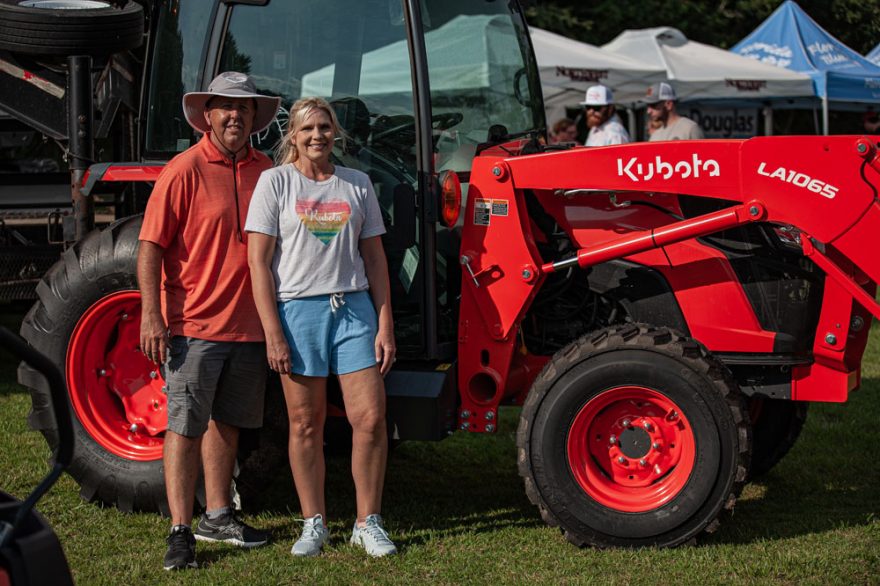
(724, 122)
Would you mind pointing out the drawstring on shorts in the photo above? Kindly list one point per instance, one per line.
(336, 301)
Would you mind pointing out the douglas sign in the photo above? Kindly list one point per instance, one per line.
(725, 122)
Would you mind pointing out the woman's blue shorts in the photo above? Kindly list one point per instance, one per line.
(327, 336)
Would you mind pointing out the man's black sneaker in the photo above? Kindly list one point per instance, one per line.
(228, 529)
(181, 552)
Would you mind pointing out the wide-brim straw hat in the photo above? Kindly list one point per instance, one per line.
(230, 84)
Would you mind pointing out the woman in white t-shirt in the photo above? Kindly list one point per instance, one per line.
(320, 282)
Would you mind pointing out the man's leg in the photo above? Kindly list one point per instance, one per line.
(181, 460)
(237, 403)
(219, 447)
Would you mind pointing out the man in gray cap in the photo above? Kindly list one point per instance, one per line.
(203, 316)
(660, 100)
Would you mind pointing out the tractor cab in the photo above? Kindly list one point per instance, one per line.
(416, 86)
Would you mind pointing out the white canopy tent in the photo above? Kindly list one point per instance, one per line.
(569, 67)
(479, 51)
(702, 72)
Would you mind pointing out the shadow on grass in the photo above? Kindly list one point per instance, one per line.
(469, 484)
(463, 484)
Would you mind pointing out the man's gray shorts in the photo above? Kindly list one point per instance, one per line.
(208, 380)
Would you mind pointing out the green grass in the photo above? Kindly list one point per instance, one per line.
(458, 512)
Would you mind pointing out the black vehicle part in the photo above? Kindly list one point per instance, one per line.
(75, 30)
(262, 453)
(30, 552)
(103, 263)
(783, 287)
(776, 426)
(639, 381)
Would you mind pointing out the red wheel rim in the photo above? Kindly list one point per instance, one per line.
(631, 449)
(116, 393)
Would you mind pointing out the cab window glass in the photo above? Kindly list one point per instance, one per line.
(177, 61)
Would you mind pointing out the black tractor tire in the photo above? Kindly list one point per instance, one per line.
(776, 426)
(627, 378)
(72, 31)
(103, 263)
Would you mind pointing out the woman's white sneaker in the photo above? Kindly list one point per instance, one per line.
(313, 538)
(373, 537)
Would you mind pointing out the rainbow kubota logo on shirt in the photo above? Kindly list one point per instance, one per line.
(324, 219)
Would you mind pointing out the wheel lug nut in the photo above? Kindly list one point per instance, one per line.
(621, 460)
(612, 440)
(154, 374)
(626, 423)
(647, 425)
(656, 445)
(133, 428)
(643, 462)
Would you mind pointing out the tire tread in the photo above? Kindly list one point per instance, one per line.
(663, 340)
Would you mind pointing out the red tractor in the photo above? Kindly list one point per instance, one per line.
(663, 312)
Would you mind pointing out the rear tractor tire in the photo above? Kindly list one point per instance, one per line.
(87, 321)
(776, 426)
(634, 436)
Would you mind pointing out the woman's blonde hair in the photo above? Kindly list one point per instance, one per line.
(299, 111)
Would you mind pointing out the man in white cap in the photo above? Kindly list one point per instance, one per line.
(660, 100)
(603, 122)
(203, 316)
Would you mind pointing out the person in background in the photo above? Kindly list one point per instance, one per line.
(321, 287)
(602, 120)
(198, 309)
(652, 126)
(871, 122)
(563, 131)
(660, 100)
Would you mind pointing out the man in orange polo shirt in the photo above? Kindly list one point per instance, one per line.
(203, 316)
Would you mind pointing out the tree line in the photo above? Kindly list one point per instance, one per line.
(722, 23)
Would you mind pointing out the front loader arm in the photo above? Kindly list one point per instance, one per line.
(823, 186)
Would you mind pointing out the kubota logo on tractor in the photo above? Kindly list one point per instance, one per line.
(799, 179)
(638, 171)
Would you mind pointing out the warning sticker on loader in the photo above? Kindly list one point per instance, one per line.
(499, 207)
(482, 212)
(484, 209)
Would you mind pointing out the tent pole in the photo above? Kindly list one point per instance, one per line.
(768, 121)
(631, 122)
(825, 114)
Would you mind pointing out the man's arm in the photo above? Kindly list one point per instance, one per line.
(154, 331)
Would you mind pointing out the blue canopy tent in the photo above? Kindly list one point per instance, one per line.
(790, 38)
(874, 55)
